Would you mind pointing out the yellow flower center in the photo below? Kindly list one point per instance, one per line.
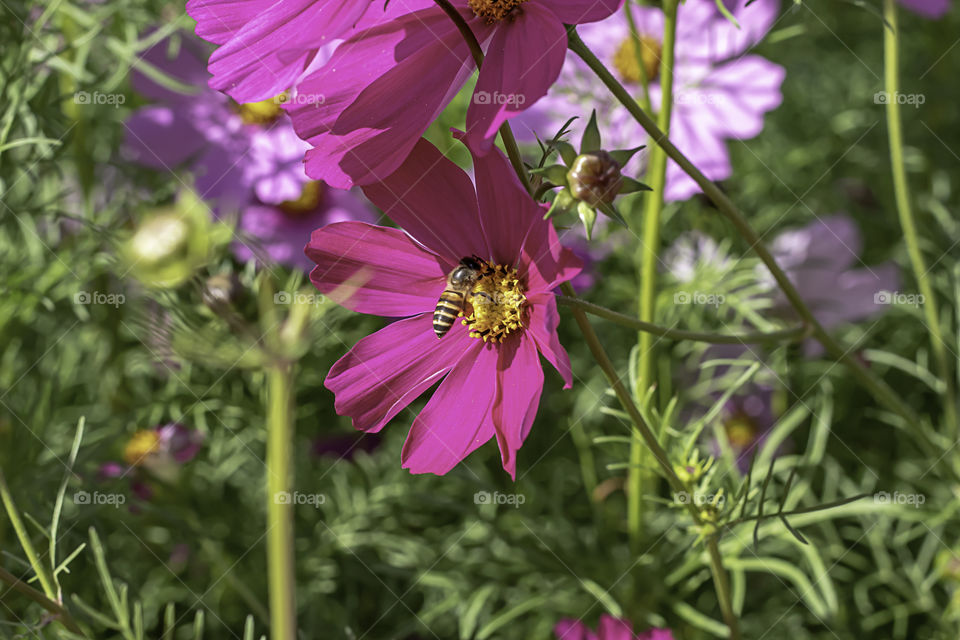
(741, 431)
(309, 199)
(627, 63)
(263, 112)
(496, 10)
(496, 305)
(142, 444)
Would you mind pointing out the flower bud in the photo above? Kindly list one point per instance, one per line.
(221, 291)
(595, 178)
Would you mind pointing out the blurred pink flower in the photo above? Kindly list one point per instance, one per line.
(610, 628)
(720, 91)
(489, 387)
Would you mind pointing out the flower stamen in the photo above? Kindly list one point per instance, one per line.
(264, 112)
(496, 10)
(142, 444)
(496, 304)
(310, 197)
(627, 64)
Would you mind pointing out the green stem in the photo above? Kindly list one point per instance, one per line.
(721, 583)
(901, 189)
(506, 133)
(280, 565)
(649, 248)
(38, 567)
(783, 335)
(638, 52)
(62, 615)
(881, 391)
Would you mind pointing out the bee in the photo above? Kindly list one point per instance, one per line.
(460, 283)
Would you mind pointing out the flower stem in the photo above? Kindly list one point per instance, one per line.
(649, 249)
(721, 583)
(280, 566)
(39, 569)
(506, 133)
(901, 189)
(62, 615)
(783, 335)
(881, 391)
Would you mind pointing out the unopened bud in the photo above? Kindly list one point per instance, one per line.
(595, 178)
(221, 291)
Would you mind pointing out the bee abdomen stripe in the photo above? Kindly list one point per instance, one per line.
(450, 293)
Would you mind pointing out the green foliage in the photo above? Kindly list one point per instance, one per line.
(813, 548)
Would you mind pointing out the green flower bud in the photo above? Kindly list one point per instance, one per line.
(595, 178)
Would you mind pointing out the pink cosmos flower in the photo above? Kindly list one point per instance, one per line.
(610, 628)
(489, 387)
(367, 107)
(720, 92)
(932, 9)
(266, 45)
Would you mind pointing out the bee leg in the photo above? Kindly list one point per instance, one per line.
(482, 294)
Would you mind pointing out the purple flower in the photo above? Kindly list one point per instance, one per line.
(747, 419)
(245, 158)
(487, 361)
(932, 9)
(365, 109)
(610, 628)
(720, 92)
(822, 261)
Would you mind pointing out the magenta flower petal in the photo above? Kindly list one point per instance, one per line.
(519, 384)
(267, 55)
(375, 270)
(569, 629)
(611, 628)
(523, 60)
(376, 98)
(220, 20)
(389, 369)
(544, 320)
(434, 200)
(514, 224)
(457, 419)
(580, 11)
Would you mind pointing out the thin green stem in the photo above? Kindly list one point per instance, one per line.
(881, 391)
(901, 189)
(722, 583)
(38, 567)
(759, 337)
(641, 428)
(60, 614)
(638, 52)
(280, 565)
(506, 133)
(649, 253)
